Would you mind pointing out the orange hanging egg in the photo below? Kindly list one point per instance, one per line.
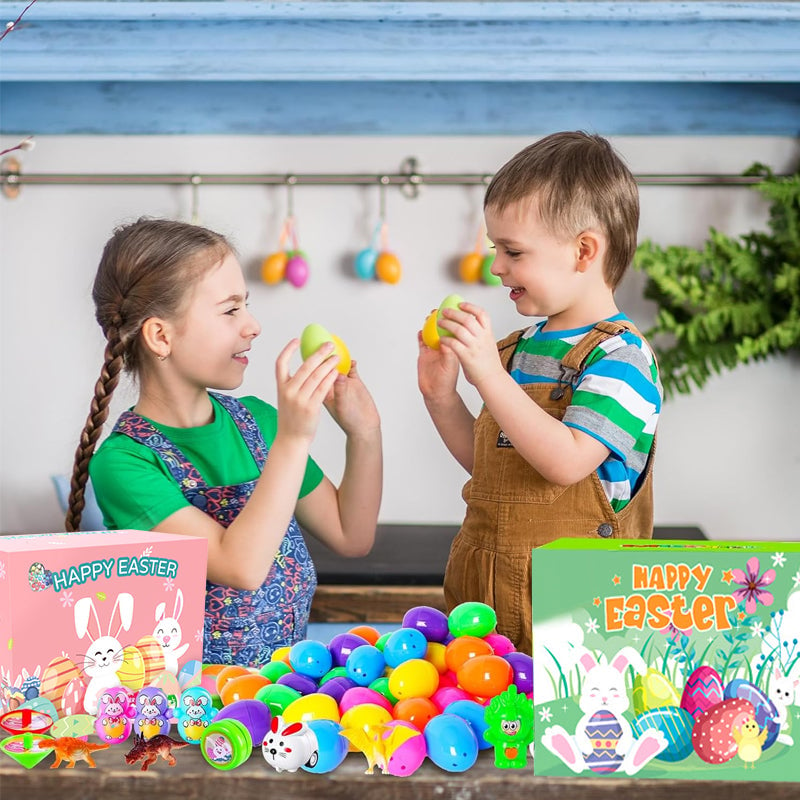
(388, 268)
(469, 268)
(273, 268)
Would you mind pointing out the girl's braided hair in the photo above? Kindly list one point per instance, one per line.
(147, 269)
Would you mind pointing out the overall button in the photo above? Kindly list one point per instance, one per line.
(605, 530)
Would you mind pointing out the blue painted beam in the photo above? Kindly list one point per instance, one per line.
(402, 108)
(416, 42)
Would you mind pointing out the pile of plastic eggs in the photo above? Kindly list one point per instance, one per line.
(418, 691)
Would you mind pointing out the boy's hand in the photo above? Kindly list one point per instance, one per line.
(437, 372)
(472, 342)
(351, 405)
(300, 396)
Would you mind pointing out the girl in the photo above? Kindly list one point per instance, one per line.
(171, 300)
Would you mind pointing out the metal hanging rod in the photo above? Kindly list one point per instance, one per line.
(409, 180)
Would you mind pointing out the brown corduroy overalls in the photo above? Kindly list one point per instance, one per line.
(511, 508)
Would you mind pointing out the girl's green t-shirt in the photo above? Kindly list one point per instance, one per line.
(135, 489)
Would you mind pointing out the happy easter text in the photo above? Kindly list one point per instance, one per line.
(125, 567)
(658, 610)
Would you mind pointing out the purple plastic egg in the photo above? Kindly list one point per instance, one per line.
(430, 622)
(336, 687)
(253, 714)
(522, 664)
(301, 683)
(342, 645)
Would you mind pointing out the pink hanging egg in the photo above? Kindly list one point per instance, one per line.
(297, 271)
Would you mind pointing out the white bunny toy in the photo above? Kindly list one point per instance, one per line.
(104, 657)
(603, 701)
(287, 747)
(168, 633)
(782, 690)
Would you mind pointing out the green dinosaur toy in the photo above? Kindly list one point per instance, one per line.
(510, 719)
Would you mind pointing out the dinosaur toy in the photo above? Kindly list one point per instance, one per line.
(510, 719)
(69, 749)
(148, 750)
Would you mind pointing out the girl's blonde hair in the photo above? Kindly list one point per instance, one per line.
(146, 270)
(577, 182)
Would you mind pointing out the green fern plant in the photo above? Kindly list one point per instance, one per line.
(735, 300)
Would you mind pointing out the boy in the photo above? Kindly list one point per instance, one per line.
(564, 443)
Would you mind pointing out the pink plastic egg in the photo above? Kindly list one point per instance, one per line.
(297, 271)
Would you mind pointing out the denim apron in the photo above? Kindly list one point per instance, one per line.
(240, 627)
(511, 508)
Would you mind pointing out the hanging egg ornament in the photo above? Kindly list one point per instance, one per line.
(273, 268)
(469, 268)
(487, 276)
(364, 263)
(297, 269)
(387, 268)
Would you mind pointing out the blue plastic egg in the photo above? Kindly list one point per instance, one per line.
(365, 664)
(331, 747)
(475, 714)
(404, 644)
(451, 743)
(310, 658)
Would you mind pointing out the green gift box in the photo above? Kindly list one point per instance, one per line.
(666, 659)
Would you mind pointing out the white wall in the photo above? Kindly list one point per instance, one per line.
(729, 457)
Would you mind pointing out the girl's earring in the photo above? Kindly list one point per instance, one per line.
(163, 358)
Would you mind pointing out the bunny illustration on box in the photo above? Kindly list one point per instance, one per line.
(287, 747)
(104, 657)
(168, 633)
(782, 690)
(603, 741)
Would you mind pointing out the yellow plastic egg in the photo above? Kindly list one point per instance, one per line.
(312, 706)
(469, 268)
(430, 335)
(273, 268)
(388, 268)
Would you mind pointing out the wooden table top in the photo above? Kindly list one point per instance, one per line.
(193, 779)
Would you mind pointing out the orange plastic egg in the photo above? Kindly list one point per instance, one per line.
(469, 268)
(229, 673)
(388, 268)
(463, 648)
(366, 632)
(243, 687)
(273, 268)
(485, 676)
(418, 711)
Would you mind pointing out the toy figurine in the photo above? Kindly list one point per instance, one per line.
(153, 714)
(69, 749)
(510, 719)
(194, 713)
(148, 750)
(115, 713)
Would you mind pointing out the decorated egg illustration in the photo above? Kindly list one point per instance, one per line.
(72, 699)
(39, 578)
(131, 673)
(152, 656)
(57, 674)
(703, 690)
(766, 715)
(604, 733)
(653, 690)
(675, 723)
(712, 735)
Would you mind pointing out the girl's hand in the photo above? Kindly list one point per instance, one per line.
(472, 342)
(300, 396)
(351, 405)
(437, 372)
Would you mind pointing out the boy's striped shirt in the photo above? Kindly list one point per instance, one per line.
(616, 399)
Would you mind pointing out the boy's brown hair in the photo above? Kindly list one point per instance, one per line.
(578, 182)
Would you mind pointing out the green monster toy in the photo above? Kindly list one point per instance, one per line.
(510, 719)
